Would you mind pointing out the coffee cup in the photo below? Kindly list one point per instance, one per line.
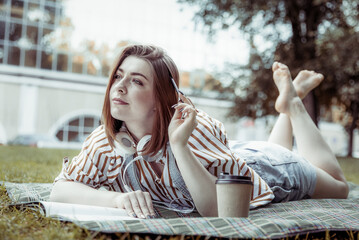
(233, 195)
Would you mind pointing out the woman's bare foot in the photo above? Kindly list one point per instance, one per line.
(306, 81)
(287, 92)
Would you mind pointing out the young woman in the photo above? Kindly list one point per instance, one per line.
(155, 147)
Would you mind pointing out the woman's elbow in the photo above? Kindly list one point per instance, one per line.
(208, 211)
(57, 193)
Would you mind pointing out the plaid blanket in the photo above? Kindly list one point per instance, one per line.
(273, 221)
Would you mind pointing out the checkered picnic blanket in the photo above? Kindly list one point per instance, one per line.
(273, 221)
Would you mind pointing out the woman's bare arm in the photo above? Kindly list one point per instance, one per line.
(137, 204)
(74, 192)
(200, 183)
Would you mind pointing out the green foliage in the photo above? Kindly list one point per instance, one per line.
(315, 35)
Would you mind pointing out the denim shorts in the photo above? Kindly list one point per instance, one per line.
(290, 176)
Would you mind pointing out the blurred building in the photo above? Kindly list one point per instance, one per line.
(48, 88)
(42, 86)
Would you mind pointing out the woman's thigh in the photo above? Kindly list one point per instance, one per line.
(329, 187)
(289, 175)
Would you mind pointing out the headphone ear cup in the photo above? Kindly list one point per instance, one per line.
(142, 143)
(124, 143)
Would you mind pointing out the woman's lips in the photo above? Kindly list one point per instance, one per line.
(119, 101)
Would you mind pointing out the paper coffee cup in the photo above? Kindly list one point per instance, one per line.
(233, 195)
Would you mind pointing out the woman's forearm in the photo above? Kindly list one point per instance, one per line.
(73, 192)
(200, 183)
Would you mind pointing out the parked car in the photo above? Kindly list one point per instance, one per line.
(33, 140)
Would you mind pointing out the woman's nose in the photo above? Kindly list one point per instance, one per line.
(121, 85)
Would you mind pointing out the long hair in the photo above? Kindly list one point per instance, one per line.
(163, 68)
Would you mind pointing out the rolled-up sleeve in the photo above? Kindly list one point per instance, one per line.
(91, 165)
(209, 144)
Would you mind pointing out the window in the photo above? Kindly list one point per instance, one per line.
(46, 60)
(30, 58)
(15, 31)
(62, 62)
(2, 32)
(14, 56)
(78, 128)
(32, 34)
(77, 64)
(17, 8)
(34, 13)
(50, 14)
(2, 53)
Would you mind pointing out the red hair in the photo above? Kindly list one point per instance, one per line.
(163, 68)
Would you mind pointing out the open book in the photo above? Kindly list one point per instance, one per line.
(77, 212)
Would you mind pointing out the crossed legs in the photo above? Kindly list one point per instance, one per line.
(294, 119)
(282, 132)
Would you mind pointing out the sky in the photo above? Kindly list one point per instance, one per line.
(164, 23)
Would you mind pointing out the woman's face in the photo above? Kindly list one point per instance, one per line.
(132, 92)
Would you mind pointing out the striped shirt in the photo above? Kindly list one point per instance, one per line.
(100, 165)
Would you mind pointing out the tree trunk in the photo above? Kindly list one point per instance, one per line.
(303, 40)
(310, 103)
(352, 128)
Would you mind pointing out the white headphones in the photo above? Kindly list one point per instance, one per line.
(125, 145)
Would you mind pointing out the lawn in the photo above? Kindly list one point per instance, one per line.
(26, 164)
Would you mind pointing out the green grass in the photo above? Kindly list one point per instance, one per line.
(350, 168)
(26, 164)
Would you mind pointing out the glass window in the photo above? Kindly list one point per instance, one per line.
(17, 8)
(75, 122)
(89, 122)
(34, 13)
(32, 34)
(60, 135)
(105, 69)
(3, 10)
(46, 39)
(15, 31)
(77, 64)
(62, 60)
(78, 128)
(47, 31)
(2, 53)
(2, 32)
(91, 68)
(14, 56)
(50, 13)
(30, 58)
(73, 136)
(46, 60)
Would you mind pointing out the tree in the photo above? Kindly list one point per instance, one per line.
(339, 52)
(305, 34)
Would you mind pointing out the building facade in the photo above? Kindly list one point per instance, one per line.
(62, 105)
(50, 89)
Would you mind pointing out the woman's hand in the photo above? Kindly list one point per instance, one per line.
(137, 204)
(182, 124)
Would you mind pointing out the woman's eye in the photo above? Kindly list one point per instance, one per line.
(137, 81)
(117, 76)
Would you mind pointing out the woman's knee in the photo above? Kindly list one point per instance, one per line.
(329, 187)
(343, 189)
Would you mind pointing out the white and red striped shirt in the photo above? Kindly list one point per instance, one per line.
(100, 165)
